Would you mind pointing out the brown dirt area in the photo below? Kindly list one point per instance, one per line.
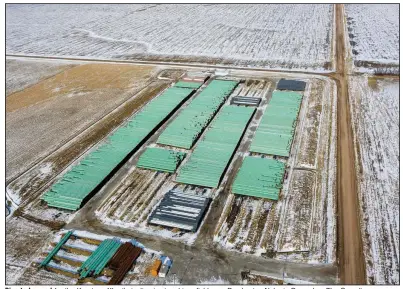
(308, 149)
(296, 233)
(80, 79)
(45, 116)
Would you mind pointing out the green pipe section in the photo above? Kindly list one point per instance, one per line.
(259, 177)
(160, 159)
(212, 154)
(56, 249)
(277, 127)
(191, 121)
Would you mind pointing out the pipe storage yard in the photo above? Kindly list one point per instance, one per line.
(189, 124)
(276, 130)
(77, 184)
(215, 182)
(213, 153)
(179, 210)
(259, 177)
(159, 159)
(97, 259)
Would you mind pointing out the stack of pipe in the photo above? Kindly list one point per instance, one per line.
(94, 265)
(122, 261)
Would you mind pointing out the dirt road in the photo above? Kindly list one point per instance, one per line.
(351, 258)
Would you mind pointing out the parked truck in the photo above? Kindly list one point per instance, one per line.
(166, 265)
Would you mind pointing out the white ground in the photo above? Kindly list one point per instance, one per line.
(23, 240)
(213, 280)
(375, 30)
(286, 36)
(375, 110)
(32, 72)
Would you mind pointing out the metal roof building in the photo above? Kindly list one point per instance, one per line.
(242, 100)
(288, 84)
(179, 210)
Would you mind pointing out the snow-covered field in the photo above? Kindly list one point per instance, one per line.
(278, 36)
(375, 120)
(373, 31)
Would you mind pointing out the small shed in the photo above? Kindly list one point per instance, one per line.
(244, 100)
(288, 84)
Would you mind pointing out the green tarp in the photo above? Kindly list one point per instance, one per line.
(276, 129)
(184, 131)
(259, 177)
(212, 154)
(159, 159)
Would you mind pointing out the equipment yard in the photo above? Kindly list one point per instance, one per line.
(136, 157)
